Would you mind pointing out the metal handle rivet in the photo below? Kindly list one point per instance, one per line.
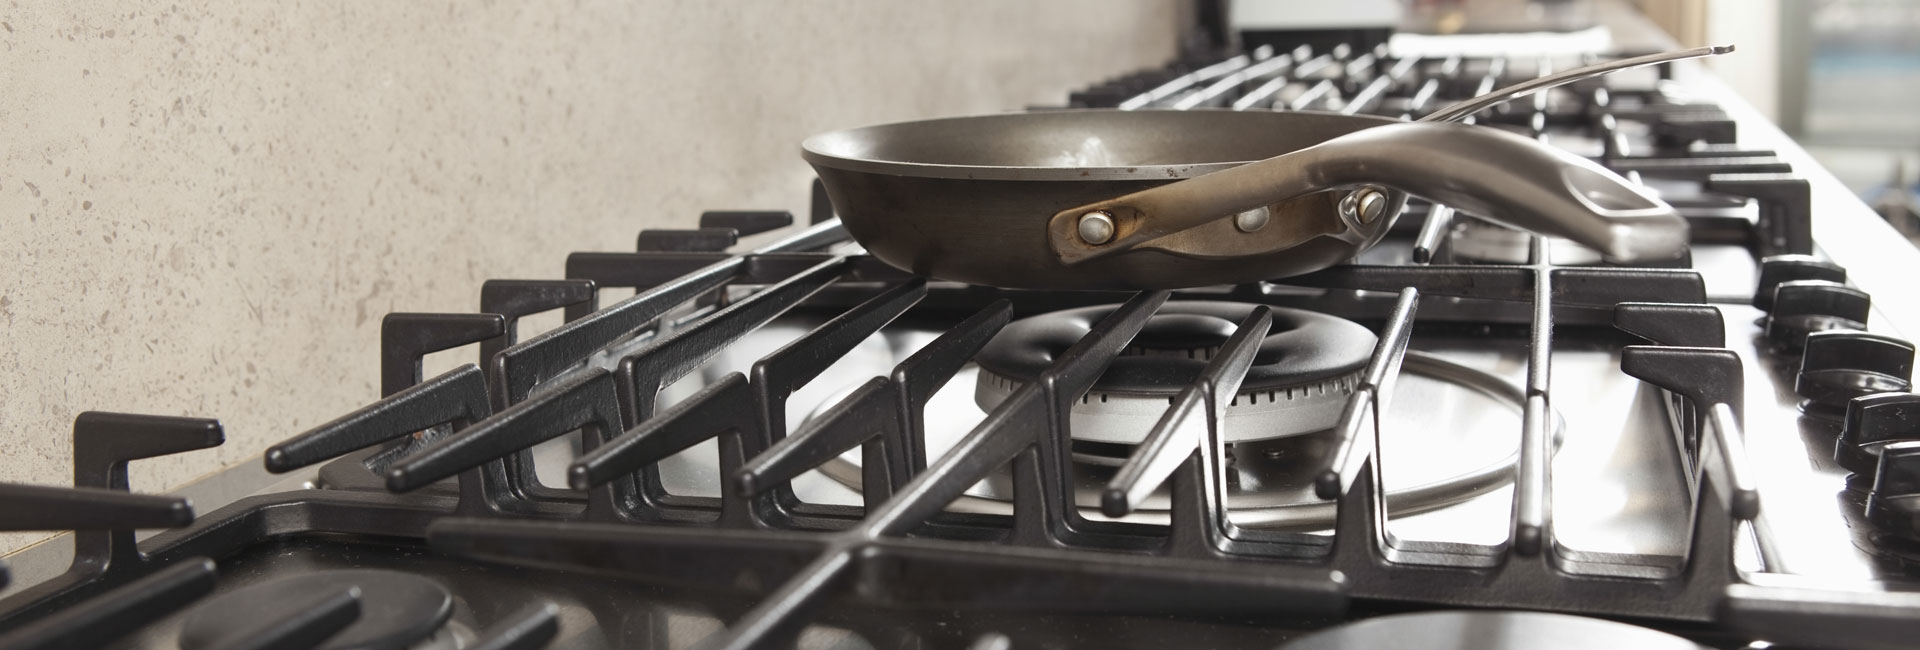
(1096, 228)
(1252, 220)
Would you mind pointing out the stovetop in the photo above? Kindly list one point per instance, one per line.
(798, 445)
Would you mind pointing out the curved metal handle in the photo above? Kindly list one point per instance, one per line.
(1482, 171)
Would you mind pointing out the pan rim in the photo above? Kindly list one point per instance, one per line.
(814, 149)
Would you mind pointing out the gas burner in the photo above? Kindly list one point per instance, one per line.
(398, 611)
(1489, 631)
(1447, 439)
(1307, 365)
(1475, 240)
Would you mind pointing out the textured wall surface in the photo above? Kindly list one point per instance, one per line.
(207, 207)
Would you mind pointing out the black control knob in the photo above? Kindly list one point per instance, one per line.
(1802, 307)
(1872, 423)
(1893, 506)
(1785, 268)
(1840, 365)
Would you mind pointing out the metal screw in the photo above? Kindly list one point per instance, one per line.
(1096, 228)
(1252, 220)
(1369, 204)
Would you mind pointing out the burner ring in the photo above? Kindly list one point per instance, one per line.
(1488, 630)
(1301, 374)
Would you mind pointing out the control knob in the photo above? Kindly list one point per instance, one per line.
(1893, 506)
(1840, 365)
(1802, 307)
(1785, 268)
(1872, 423)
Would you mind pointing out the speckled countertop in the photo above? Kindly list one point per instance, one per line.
(206, 207)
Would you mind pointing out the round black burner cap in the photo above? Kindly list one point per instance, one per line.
(1488, 631)
(397, 609)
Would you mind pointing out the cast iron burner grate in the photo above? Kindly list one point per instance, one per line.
(455, 470)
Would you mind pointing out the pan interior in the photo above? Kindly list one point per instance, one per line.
(1084, 144)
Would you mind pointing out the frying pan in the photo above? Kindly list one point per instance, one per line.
(1109, 199)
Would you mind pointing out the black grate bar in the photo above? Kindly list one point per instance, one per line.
(785, 370)
(1675, 324)
(1712, 380)
(46, 507)
(814, 237)
(530, 628)
(1215, 92)
(1432, 233)
(1601, 287)
(103, 444)
(1724, 436)
(580, 402)
(639, 270)
(777, 375)
(1010, 428)
(746, 222)
(866, 415)
(405, 338)
(517, 369)
(516, 299)
(736, 561)
(686, 240)
(927, 370)
(946, 574)
(642, 374)
(1320, 92)
(1700, 168)
(1368, 96)
(1184, 83)
(314, 619)
(1368, 399)
(100, 620)
(458, 396)
(1261, 96)
(1532, 489)
(1821, 616)
(897, 403)
(1177, 437)
(718, 410)
(646, 371)
(772, 622)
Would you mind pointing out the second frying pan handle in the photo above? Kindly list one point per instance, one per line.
(1481, 171)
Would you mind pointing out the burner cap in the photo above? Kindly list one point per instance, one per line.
(397, 609)
(1488, 631)
(1304, 368)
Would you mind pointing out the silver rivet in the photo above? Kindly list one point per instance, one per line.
(1370, 204)
(1252, 220)
(1096, 228)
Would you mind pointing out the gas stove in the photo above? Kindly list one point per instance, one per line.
(1467, 437)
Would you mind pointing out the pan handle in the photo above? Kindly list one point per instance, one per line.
(1481, 171)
